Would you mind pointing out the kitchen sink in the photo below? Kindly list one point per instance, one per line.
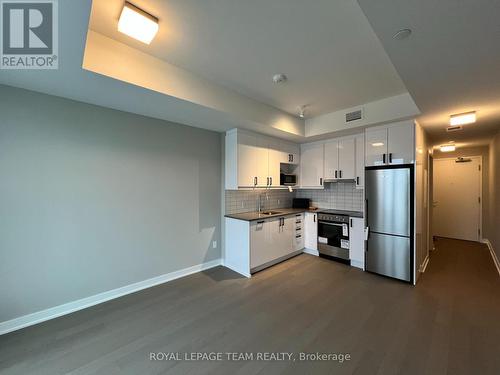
(270, 213)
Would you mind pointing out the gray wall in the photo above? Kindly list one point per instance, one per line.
(92, 199)
(494, 222)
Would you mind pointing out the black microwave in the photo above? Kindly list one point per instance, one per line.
(288, 179)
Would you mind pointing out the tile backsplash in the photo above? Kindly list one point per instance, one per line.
(238, 201)
(339, 195)
(342, 196)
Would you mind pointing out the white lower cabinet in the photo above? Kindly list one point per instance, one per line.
(311, 231)
(251, 246)
(357, 242)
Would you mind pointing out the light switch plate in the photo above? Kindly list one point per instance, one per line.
(214, 244)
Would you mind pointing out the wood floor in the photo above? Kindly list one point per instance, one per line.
(448, 324)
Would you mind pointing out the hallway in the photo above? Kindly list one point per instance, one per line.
(461, 288)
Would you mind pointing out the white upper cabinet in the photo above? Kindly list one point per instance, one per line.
(360, 161)
(347, 163)
(331, 159)
(340, 159)
(275, 157)
(311, 165)
(247, 152)
(290, 152)
(401, 143)
(253, 160)
(376, 146)
(390, 144)
(262, 162)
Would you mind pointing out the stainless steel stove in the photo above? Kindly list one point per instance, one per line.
(333, 234)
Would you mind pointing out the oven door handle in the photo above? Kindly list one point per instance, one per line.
(327, 223)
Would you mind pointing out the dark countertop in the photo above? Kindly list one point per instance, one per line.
(251, 216)
(342, 212)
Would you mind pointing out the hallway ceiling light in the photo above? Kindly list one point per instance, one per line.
(137, 23)
(447, 148)
(377, 144)
(463, 118)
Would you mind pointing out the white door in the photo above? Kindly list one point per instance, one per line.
(375, 146)
(401, 145)
(247, 157)
(346, 159)
(311, 165)
(331, 159)
(457, 196)
(311, 231)
(360, 161)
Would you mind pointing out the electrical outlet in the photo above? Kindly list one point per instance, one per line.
(214, 244)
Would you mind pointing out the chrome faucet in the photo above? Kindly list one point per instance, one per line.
(260, 201)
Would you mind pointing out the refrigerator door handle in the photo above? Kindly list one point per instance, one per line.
(366, 211)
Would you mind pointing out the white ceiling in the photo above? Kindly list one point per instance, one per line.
(451, 62)
(73, 82)
(327, 48)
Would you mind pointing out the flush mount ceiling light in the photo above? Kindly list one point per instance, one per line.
(463, 118)
(280, 78)
(137, 23)
(447, 148)
(402, 34)
(377, 144)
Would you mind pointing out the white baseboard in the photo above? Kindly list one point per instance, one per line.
(358, 264)
(493, 254)
(424, 264)
(310, 251)
(67, 308)
(236, 269)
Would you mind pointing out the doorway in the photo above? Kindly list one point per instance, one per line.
(457, 197)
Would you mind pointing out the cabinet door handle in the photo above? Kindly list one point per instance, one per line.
(271, 179)
(314, 216)
(335, 174)
(390, 157)
(351, 222)
(357, 180)
(255, 181)
(260, 222)
(383, 158)
(321, 181)
(340, 174)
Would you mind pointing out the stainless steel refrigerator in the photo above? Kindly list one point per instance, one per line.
(389, 218)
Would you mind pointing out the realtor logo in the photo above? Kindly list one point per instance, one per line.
(28, 34)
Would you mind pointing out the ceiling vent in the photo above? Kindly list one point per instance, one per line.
(354, 115)
(453, 128)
